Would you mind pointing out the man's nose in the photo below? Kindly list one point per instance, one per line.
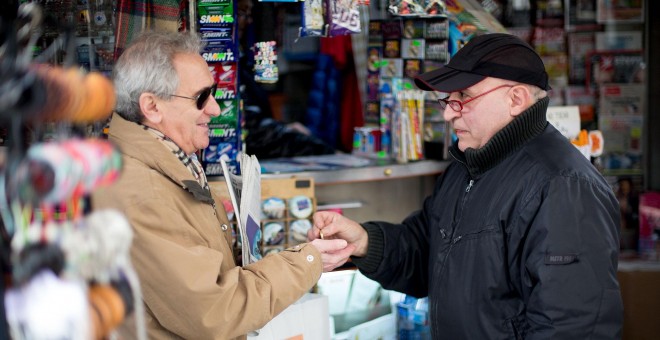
(212, 108)
(449, 114)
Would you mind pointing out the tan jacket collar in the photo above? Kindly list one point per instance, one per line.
(135, 142)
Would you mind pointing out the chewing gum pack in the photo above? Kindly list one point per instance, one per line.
(210, 34)
(218, 14)
(225, 75)
(219, 51)
(217, 148)
(228, 115)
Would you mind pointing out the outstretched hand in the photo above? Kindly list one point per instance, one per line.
(334, 253)
(330, 226)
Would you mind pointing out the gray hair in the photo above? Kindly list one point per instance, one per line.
(147, 66)
(537, 92)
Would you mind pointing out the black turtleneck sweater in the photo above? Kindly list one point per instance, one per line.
(526, 126)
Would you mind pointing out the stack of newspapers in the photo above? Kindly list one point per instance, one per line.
(245, 194)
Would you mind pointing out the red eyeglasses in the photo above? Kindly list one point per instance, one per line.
(203, 96)
(457, 105)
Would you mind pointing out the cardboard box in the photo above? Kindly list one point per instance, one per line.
(639, 281)
(307, 318)
(336, 286)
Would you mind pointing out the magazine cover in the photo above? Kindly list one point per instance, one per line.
(580, 44)
(585, 100)
(549, 13)
(556, 66)
(580, 15)
(549, 40)
(620, 11)
(621, 99)
(619, 40)
(626, 66)
(412, 48)
(623, 143)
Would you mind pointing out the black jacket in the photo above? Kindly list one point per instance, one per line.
(518, 241)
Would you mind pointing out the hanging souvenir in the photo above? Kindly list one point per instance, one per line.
(407, 7)
(343, 17)
(313, 22)
(265, 58)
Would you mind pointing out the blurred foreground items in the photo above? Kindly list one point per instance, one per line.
(68, 268)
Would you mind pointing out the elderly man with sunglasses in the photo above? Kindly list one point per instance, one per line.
(182, 246)
(520, 238)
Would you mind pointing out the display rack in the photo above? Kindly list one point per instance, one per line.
(68, 267)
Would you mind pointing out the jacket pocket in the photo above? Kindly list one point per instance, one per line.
(478, 232)
(477, 249)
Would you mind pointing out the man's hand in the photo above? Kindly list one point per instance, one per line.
(334, 253)
(330, 225)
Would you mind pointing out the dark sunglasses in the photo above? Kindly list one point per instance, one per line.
(203, 96)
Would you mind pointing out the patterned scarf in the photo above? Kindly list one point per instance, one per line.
(191, 162)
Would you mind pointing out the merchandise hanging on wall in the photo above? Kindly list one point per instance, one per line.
(69, 269)
(265, 67)
(330, 18)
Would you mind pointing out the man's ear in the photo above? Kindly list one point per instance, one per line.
(521, 99)
(149, 108)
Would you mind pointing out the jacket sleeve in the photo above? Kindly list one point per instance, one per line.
(191, 292)
(398, 254)
(569, 259)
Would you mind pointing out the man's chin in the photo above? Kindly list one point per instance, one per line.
(203, 144)
(462, 146)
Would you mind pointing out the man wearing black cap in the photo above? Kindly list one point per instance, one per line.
(520, 237)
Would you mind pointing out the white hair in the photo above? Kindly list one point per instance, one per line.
(147, 66)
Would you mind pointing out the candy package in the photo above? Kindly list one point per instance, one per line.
(313, 21)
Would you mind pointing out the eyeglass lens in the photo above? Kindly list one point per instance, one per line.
(458, 106)
(204, 96)
(454, 104)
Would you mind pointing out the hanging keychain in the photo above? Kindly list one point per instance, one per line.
(265, 67)
(99, 15)
(313, 22)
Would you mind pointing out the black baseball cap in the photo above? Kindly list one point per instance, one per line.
(497, 55)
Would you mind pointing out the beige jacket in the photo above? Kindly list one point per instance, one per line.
(182, 250)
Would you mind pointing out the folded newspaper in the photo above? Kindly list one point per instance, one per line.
(245, 194)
